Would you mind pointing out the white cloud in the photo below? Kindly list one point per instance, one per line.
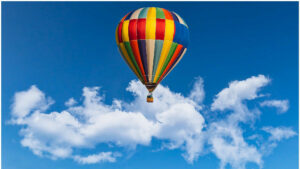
(226, 135)
(229, 145)
(26, 101)
(181, 124)
(197, 93)
(281, 105)
(238, 91)
(70, 102)
(97, 158)
(279, 133)
(173, 118)
(276, 135)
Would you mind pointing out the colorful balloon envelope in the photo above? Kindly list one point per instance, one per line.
(152, 41)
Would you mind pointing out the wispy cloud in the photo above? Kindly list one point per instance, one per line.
(197, 93)
(173, 118)
(279, 133)
(70, 102)
(281, 105)
(96, 158)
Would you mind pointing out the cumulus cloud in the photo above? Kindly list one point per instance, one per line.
(26, 101)
(239, 91)
(281, 105)
(173, 118)
(96, 158)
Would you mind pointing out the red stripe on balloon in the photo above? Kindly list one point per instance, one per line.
(132, 29)
(141, 29)
(160, 29)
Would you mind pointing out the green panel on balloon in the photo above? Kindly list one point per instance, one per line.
(160, 13)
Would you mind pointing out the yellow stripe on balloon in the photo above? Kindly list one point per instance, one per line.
(125, 34)
(151, 13)
(169, 31)
(151, 23)
(150, 39)
(128, 60)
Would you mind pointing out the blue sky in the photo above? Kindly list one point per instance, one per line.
(63, 47)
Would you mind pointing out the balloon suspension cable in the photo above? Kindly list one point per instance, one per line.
(150, 97)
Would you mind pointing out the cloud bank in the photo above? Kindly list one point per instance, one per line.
(173, 118)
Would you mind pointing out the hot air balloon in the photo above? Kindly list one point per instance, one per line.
(152, 41)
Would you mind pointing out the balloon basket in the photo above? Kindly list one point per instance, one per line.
(150, 98)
